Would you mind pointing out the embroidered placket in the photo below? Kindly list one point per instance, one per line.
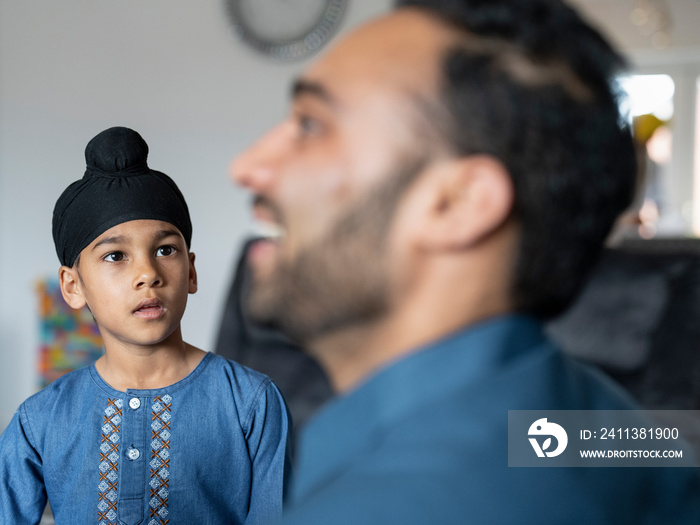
(109, 463)
(131, 505)
(160, 461)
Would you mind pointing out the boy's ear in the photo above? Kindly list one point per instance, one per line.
(471, 198)
(193, 275)
(70, 287)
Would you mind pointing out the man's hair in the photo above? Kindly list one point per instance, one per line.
(533, 85)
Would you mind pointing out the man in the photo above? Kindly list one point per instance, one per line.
(298, 376)
(443, 183)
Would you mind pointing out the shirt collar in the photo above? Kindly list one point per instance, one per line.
(351, 423)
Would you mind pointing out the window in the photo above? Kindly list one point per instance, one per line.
(648, 102)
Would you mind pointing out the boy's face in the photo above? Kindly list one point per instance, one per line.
(135, 278)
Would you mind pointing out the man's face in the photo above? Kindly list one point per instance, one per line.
(331, 177)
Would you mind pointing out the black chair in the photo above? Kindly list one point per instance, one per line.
(638, 320)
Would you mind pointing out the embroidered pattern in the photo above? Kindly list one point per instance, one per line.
(160, 460)
(109, 463)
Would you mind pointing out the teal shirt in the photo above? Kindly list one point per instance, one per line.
(424, 441)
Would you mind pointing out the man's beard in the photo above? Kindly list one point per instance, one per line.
(342, 280)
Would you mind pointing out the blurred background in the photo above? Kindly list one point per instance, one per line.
(178, 72)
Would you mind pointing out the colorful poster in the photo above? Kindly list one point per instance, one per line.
(69, 339)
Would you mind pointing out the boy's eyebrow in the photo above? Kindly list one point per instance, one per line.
(162, 234)
(117, 239)
(120, 239)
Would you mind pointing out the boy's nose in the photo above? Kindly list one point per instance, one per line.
(147, 275)
(254, 169)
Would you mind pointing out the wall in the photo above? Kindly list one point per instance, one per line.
(174, 71)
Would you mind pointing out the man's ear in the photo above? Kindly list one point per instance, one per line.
(193, 275)
(70, 287)
(471, 198)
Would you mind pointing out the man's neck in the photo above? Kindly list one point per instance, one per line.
(436, 293)
(132, 367)
(352, 355)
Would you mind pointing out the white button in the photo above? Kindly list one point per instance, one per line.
(134, 403)
(133, 454)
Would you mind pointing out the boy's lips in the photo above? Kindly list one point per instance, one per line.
(149, 309)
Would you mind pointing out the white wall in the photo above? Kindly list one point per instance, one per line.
(171, 69)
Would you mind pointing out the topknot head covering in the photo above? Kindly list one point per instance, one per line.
(118, 186)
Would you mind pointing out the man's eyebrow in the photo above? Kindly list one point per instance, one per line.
(303, 87)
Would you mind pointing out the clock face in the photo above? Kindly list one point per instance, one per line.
(286, 29)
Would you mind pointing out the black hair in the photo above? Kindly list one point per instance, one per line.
(533, 85)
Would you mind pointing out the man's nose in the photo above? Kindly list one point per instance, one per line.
(255, 168)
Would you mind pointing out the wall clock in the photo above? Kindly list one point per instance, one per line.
(286, 29)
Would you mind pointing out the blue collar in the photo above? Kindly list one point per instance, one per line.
(351, 423)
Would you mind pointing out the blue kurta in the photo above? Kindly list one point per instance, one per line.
(424, 441)
(211, 448)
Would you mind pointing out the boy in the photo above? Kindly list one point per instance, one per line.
(156, 431)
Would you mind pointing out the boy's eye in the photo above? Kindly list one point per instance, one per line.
(164, 251)
(114, 257)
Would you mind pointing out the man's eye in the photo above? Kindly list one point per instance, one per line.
(309, 125)
(114, 257)
(164, 251)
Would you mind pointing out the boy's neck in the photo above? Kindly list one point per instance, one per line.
(127, 366)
